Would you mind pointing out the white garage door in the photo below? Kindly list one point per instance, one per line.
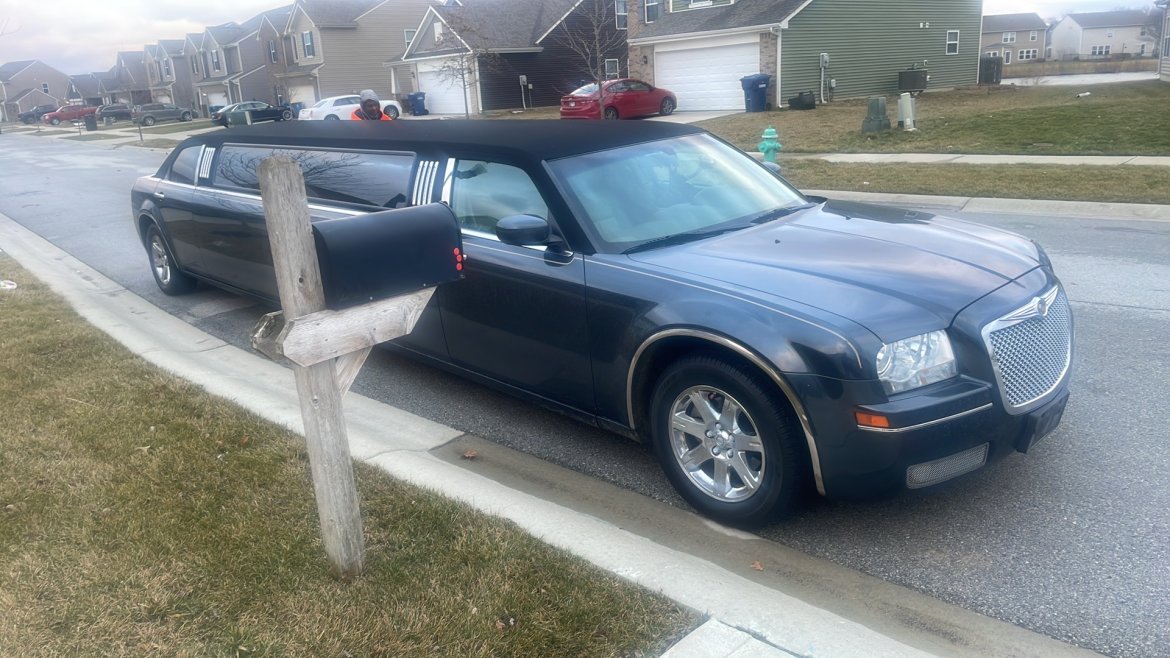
(442, 96)
(301, 94)
(707, 78)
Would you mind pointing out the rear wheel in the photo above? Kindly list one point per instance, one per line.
(611, 114)
(286, 115)
(148, 121)
(332, 117)
(667, 107)
(391, 111)
(55, 121)
(727, 447)
(186, 116)
(162, 264)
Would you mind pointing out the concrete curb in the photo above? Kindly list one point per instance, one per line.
(752, 619)
(1085, 209)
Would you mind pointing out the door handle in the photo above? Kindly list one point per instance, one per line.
(159, 195)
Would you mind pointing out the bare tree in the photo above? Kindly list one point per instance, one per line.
(470, 55)
(591, 33)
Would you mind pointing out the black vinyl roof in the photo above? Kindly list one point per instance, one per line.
(510, 140)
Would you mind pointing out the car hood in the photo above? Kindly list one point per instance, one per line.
(896, 272)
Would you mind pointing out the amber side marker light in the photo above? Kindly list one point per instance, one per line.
(871, 420)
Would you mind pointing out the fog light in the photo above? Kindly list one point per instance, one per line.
(941, 470)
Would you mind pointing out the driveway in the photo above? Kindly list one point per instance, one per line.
(693, 116)
(1081, 79)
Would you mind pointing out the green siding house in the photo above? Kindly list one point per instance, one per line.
(835, 49)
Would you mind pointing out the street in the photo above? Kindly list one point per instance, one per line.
(1069, 541)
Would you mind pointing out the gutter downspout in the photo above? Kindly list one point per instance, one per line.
(4, 103)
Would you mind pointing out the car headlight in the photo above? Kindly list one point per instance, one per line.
(916, 361)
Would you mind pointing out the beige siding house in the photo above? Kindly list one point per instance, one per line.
(1103, 35)
(1015, 37)
(29, 83)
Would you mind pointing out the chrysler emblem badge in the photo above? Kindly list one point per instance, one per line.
(1041, 307)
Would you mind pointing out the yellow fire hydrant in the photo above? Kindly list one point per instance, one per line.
(770, 146)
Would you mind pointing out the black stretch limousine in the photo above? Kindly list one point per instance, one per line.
(649, 278)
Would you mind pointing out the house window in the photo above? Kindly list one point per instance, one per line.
(1144, 32)
(215, 60)
(409, 36)
(622, 9)
(1099, 51)
(1009, 37)
(651, 11)
(612, 68)
(994, 53)
(167, 67)
(195, 65)
(1033, 35)
(1166, 47)
(307, 42)
(438, 32)
(1142, 51)
(272, 51)
(45, 87)
(1027, 54)
(1007, 57)
(952, 42)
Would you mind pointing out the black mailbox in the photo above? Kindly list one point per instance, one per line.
(388, 253)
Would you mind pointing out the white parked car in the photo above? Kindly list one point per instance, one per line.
(342, 107)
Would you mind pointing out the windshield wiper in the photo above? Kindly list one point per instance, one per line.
(681, 238)
(777, 213)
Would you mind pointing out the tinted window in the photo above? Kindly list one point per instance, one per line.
(183, 169)
(483, 193)
(371, 179)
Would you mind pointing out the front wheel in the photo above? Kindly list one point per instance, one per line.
(186, 116)
(286, 115)
(725, 445)
(332, 117)
(667, 107)
(391, 111)
(148, 121)
(55, 122)
(611, 114)
(162, 264)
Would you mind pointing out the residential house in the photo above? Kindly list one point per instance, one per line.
(127, 81)
(29, 83)
(700, 49)
(168, 73)
(1104, 35)
(86, 89)
(1015, 37)
(335, 47)
(1164, 62)
(498, 54)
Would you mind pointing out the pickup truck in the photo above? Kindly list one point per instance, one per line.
(152, 113)
(67, 113)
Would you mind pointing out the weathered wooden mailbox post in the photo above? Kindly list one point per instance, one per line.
(375, 275)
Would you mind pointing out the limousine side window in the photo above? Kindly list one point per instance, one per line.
(369, 179)
(183, 168)
(483, 193)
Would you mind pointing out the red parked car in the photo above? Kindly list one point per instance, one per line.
(623, 99)
(67, 113)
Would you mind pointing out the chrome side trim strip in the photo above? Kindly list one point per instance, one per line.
(936, 421)
(206, 157)
(424, 183)
(750, 356)
(448, 178)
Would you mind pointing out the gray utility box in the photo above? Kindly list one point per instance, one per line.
(389, 253)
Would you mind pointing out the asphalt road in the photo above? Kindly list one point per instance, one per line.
(1072, 540)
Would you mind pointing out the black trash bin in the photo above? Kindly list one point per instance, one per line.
(755, 91)
(90, 122)
(417, 102)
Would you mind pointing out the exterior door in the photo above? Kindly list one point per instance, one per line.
(518, 316)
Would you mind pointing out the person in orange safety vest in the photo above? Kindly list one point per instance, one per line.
(371, 108)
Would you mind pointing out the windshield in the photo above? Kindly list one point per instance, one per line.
(322, 103)
(587, 90)
(695, 184)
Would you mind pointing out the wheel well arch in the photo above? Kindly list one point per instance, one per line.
(662, 349)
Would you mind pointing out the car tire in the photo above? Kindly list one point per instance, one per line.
(186, 116)
(391, 111)
(743, 475)
(162, 264)
(332, 117)
(148, 121)
(55, 122)
(286, 115)
(667, 107)
(611, 114)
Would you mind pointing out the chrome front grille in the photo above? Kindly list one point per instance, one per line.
(1031, 349)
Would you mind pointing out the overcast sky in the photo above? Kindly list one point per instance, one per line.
(80, 36)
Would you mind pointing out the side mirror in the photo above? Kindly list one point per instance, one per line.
(774, 168)
(523, 230)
